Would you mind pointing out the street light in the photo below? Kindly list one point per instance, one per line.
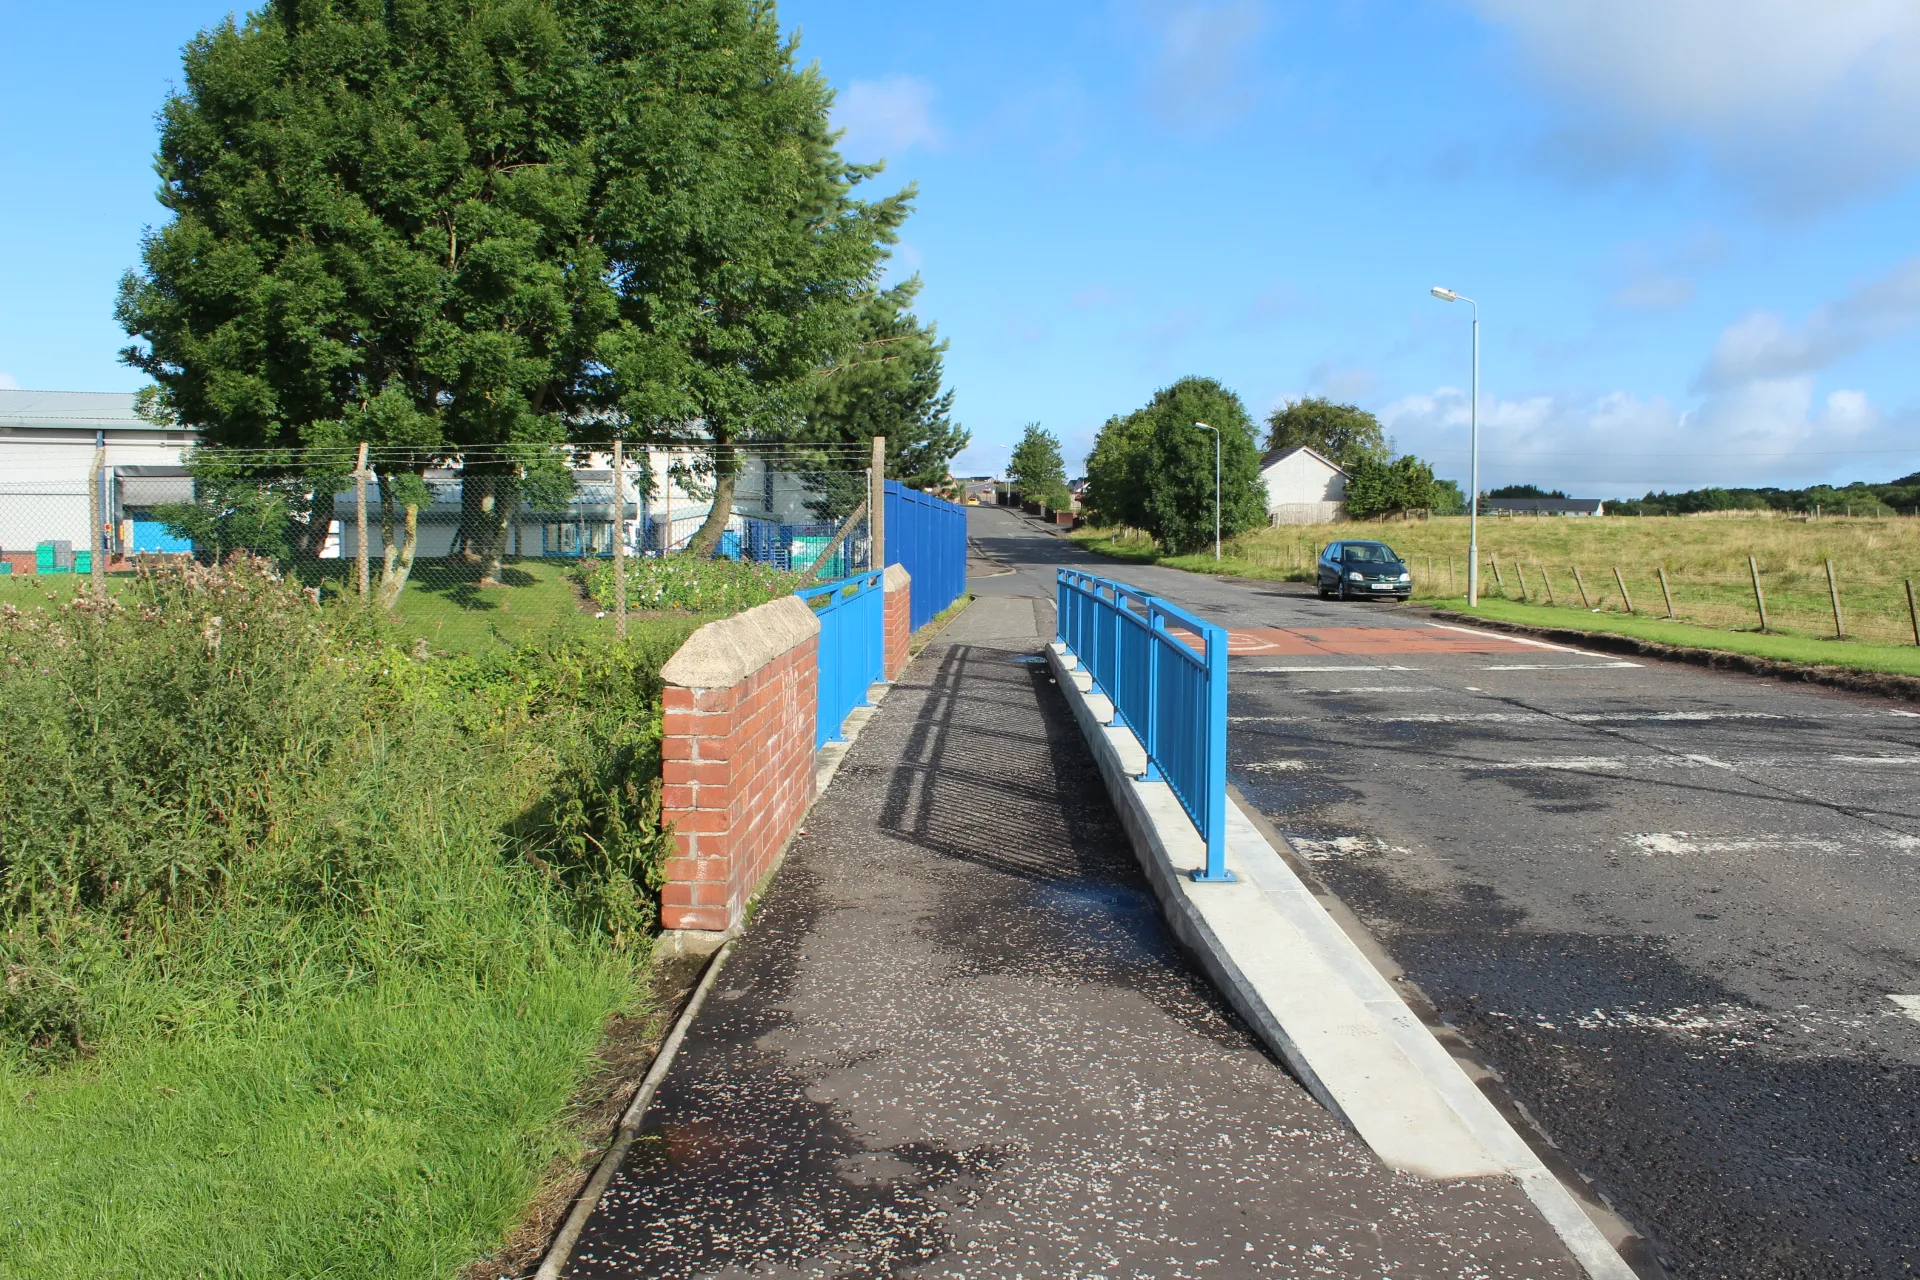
(1473, 501)
(1216, 485)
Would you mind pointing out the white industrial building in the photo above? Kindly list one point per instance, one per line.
(1303, 487)
(57, 446)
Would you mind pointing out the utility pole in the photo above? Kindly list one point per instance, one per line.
(1473, 500)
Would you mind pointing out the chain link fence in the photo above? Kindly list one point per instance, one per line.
(464, 551)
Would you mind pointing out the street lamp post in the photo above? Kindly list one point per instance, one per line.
(1216, 485)
(1473, 501)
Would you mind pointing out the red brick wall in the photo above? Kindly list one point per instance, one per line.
(899, 629)
(737, 772)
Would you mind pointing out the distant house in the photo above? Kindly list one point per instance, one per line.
(1544, 506)
(1303, 487)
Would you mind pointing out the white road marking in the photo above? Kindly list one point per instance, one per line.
(1538, 644)
(1340, 847)
(1307, 670)
(1274, 766)
(1675, 844)
(1564, 666)
(1371, 688)
(1909, 1005)
(1875, 759)
(1602, 717)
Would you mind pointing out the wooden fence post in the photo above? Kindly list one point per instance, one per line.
(1759, 600)
(619, 542)
(1586, 601)
(1666, 591)
(1622, 583)
(1913, 613)
(1520, 571)
(1833, 590)
(1548, 581)
(360, 518)
(1498, 581)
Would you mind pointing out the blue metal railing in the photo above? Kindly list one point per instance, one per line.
(928, 537)
(1170, 693)
(852, 651)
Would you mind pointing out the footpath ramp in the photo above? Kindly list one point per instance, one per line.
(957, 1040)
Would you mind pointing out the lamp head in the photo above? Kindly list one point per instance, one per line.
(1203, 426)
(1445, 295)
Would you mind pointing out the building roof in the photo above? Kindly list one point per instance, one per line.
(1281, 455)
(84, 410)
(1546, 506)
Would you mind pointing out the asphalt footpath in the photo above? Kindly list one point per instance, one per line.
(957, 1040)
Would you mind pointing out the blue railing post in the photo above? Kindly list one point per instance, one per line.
(1215, 829)
(1158, 626)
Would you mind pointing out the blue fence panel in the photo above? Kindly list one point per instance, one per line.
(852, 649)
(1171, 692)
(927, 536)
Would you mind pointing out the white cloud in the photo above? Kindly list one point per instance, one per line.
(1654, 293)
(1202, 53)
(1809, 101)
(1762, 345)
(1768, 431)
(8, 382)
(883, 118)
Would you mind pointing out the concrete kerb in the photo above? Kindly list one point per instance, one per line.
(1314, 998)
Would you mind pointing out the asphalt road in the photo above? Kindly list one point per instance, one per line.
(1674, 909)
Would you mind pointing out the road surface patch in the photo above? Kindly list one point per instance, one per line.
(1909, 1005)
(1365, 641)
(1677, 844)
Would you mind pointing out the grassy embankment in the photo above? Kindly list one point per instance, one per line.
(1705, 559)
(307, 945)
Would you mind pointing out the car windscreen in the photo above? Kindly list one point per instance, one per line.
(1369, 553)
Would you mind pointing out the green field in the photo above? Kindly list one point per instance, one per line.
(1704, 558)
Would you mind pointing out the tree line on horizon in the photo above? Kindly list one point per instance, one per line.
(1153, 469)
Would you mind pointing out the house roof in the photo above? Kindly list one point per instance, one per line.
(1281, 455)
(96, 410)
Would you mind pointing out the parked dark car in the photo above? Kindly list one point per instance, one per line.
(1363, 571)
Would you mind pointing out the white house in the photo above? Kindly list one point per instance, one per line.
(1303, 487)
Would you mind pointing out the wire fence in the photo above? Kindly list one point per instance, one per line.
(467, 550)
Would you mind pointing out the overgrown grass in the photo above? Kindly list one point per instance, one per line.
(1705, 558)
(538, 600)
(700, 584)
(306, 943)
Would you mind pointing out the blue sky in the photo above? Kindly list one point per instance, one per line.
(1690, 224)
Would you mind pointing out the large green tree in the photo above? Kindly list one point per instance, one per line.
(1179, 474)
(1037, 467)
(469, 230)
(890, 383)
(1376, 488)
(1117, 472)
(1344, 434)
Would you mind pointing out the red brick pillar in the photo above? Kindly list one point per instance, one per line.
(736, 757)
(899, 620)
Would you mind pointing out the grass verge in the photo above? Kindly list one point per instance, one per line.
(1778, 646)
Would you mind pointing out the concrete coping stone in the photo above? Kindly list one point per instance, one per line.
(725, 652)
(895, 578)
